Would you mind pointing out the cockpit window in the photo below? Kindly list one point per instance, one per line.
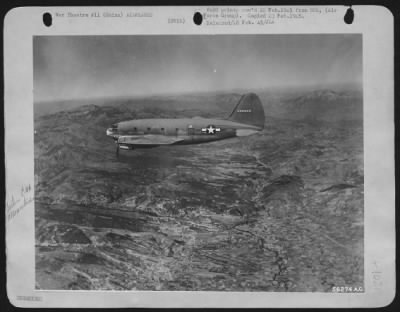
(114, 126)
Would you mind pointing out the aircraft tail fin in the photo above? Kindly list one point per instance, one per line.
(249, 110)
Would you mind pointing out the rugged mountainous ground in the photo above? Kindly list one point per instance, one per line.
(278, 211)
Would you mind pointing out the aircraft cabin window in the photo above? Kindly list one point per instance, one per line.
(148, 129)
(162, 129)
(135, 129)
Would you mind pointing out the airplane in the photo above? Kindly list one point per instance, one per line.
(247, 118)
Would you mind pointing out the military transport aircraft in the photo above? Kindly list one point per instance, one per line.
(247, 118)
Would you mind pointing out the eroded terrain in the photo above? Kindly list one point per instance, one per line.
(278, 211)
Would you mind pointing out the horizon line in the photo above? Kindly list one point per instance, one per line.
(355, 85)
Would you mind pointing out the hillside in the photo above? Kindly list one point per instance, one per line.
(323, 105)
(278, 211)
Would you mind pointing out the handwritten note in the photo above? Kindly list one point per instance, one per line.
(16, 204)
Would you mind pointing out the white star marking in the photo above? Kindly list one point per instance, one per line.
(210, 129)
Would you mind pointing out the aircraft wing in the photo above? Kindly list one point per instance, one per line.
(149, 139)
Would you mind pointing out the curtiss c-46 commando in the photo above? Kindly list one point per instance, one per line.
(247, 118)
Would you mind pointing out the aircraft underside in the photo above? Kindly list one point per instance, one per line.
(187, 140)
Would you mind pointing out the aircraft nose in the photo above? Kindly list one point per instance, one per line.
(113, 130)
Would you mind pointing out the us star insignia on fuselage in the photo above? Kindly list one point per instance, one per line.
(210, 129)
(246, 118)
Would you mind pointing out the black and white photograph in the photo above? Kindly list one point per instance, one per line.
(225, 163)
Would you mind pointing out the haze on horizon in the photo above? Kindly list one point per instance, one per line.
(72, 67)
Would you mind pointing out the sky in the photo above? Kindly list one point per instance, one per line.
(73, 67)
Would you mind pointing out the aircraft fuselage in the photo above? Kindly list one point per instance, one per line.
(246, 118)
(184, 131)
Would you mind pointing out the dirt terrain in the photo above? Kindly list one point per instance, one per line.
(278, 211)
